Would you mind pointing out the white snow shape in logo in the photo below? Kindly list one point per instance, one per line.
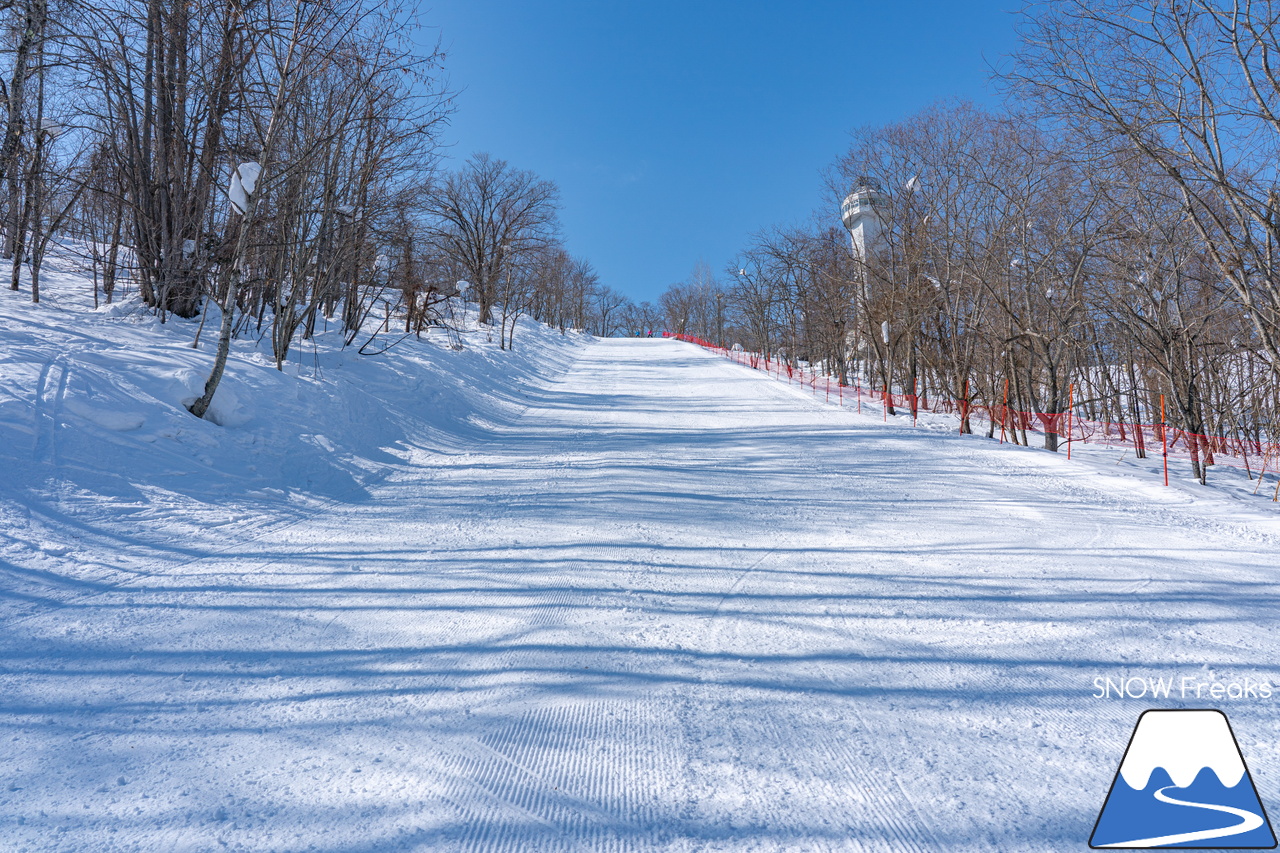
(1183, 743)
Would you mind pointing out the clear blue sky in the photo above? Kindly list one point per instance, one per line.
(676, 129)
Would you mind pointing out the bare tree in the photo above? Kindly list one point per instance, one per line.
(646, 318)
(31, 22)
(1190, 85)
(608, 306)
(1160, 294)
(169, 77)
(487, 215)
(315, 170)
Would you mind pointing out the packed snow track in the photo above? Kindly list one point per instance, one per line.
(672, 605)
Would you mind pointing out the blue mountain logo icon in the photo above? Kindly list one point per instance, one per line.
(1183, 783)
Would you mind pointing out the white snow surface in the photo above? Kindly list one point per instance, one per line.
(589, 595)
(1183, 743)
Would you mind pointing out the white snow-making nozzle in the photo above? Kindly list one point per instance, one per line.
(243, 181)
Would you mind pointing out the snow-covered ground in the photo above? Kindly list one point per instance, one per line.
(590, 595)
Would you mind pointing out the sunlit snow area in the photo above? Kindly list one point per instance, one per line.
(614, 594)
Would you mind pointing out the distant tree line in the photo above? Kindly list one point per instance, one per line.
(279, 159)
(1112, 239)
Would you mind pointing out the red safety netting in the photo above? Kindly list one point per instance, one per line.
(1144, 440)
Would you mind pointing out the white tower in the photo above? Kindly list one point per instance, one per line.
(861, 214)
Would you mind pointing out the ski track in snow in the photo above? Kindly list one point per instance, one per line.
(669, 605)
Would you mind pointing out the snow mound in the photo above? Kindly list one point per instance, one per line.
(96, 439)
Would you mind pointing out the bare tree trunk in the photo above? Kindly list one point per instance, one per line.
(201, 406)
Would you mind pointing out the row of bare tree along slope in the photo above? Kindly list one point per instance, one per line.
(279, 160)
(1113, 229)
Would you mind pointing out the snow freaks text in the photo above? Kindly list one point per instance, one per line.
(1179, 687)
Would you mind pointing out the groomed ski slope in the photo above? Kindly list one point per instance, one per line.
(671, 605)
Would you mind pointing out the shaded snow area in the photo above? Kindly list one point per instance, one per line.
(591, 595)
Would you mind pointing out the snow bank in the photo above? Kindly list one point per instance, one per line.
(96, 443)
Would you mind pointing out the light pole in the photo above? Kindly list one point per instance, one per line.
(751, 329)
(720, 320)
